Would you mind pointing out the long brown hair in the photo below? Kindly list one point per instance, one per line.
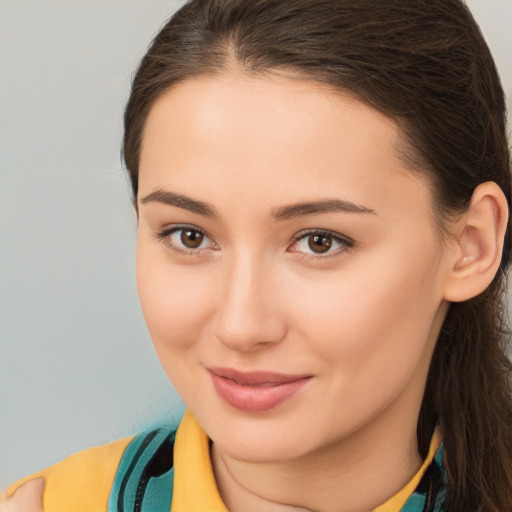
(425, 64)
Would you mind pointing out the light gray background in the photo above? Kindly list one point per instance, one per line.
(77, 366)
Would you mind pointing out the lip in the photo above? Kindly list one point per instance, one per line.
(255, 391)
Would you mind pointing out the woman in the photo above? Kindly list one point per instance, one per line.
(322, 192)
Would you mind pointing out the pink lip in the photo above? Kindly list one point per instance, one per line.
(255, 391)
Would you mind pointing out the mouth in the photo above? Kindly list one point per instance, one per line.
(255, 391)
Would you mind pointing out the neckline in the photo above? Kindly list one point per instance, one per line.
(195, 488)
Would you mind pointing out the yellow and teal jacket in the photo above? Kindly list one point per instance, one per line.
(170, 470)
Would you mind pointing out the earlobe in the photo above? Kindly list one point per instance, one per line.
(476, 251)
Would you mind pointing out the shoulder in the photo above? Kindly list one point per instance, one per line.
(67, 485)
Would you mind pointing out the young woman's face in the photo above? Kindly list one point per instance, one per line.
(288, 265)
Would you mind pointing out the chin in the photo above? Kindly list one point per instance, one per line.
(256, 452)
(263, 440)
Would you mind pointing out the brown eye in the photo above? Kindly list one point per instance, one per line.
(191, 238)
(319, 243)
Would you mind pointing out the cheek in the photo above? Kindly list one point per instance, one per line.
(170, 302)
(376, 316)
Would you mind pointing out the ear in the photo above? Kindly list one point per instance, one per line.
(478, 244)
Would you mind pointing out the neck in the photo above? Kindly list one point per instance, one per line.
(356, 474)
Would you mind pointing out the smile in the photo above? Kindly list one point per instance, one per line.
(255, 391)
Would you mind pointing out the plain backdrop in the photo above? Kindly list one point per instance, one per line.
(77, 367)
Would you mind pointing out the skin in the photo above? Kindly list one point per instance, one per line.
(361, 318)
(28, 498)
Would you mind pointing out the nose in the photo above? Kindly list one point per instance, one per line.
(249, 315)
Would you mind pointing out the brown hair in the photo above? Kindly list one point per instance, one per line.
(425, 64)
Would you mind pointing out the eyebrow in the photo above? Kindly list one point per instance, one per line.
(173, 199)
(318, 207)
(280, 214)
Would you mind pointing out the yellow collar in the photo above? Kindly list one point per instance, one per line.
(194, 488)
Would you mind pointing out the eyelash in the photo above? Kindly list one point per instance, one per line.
(344, 242)
(164, 237)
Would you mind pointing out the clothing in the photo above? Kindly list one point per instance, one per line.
(144, 472)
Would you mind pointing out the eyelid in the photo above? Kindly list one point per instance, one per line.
(345, 242)
(164, 236)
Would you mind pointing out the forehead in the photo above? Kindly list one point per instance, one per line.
(274, 135)
(234, 105)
